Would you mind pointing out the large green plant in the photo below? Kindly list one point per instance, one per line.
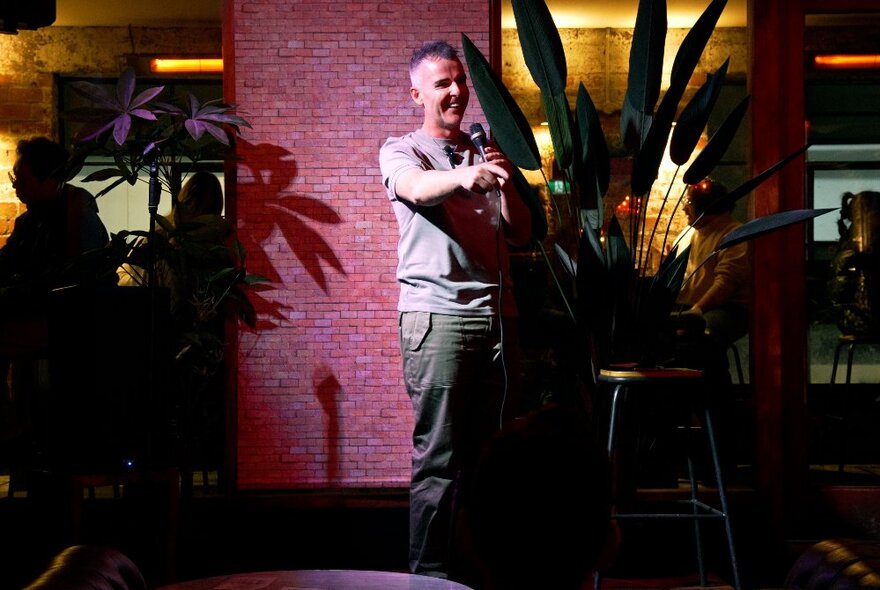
(199, 261)
(620, 308)
(143, 136)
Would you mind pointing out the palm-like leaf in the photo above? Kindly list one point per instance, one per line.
(706, 161)
(751, 184)
(510, 128)
(210, 118)
(545, 59)
(694, 117)
(533, 202)
(594, 165)
(651, 153)
(766, 224)
(646, 55)
(695, 42)
(541, 45)
(115, 112)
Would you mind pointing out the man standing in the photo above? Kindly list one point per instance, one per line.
(456, 214)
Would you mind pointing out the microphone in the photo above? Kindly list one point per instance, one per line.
(155, 188)
(478, 136)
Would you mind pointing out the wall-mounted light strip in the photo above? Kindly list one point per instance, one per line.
(186, 66)
(847, 61)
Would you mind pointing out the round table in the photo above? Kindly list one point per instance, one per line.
(318, 580)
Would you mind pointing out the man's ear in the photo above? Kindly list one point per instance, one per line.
(416, 95)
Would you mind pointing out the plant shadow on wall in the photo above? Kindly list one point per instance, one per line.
(272, 166)
(200, 261)
(272, 170)
(620, 310)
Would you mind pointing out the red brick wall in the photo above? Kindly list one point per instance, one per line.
(320, 397)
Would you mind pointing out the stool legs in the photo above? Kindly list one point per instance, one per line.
(618, 396)
(722, 497)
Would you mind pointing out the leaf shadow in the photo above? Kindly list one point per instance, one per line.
(272, 170)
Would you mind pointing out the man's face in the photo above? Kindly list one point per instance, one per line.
(440, 86)
(30, 189)
(689, 210)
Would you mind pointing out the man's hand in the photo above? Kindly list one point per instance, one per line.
(483, 178)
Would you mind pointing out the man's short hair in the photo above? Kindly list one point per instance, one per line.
(432, 50)
(44, 157)
(708, 197)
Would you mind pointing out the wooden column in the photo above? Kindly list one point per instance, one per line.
(779, 336)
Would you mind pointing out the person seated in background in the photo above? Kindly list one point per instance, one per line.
(713, 312)
(716, 288)
(540, 516)
(197, 209)
(59, 226)
(61, 221)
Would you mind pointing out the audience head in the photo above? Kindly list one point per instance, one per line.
(38, 172)
(706, 198)
(88, 567)
(201, 194)
(541, 511)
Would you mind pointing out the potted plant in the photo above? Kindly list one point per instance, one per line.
(159, 142)
(619, 308)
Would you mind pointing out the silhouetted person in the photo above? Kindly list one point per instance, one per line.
(541, 510)
(60, 224)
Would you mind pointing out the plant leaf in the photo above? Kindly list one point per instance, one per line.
(510, 128)
(125, 87)
(121, 127)
(694, 117)
(533, 202)
(541, 45)
(634, 124)
(694, 43)
(568, 264)
(646, 55)
(595, 163)
(104, 174)
(706, 161)
(768, 223)
(195, 128)
(650, 155)
(750, 185)
(217, 133)
(146, 96)
(559, 119)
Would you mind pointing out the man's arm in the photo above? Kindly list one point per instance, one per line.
(731, 270)
(432, 187)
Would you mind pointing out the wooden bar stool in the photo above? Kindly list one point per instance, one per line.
(626, 382)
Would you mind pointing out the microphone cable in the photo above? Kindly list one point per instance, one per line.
(478, 137)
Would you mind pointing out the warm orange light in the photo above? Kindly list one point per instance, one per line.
(847, 61)
(186, 66)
